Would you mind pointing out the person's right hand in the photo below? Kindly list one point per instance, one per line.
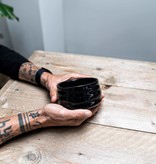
(50, 82)
(57, 115)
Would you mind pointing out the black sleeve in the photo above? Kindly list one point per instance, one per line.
(10, 62)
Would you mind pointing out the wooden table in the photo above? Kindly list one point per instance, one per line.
(123, 131)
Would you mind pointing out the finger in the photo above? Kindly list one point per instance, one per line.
(79, 120)
(102, 96)
(53, 98)
(53, 94)
(96, 109)
(77, 75)
(78, 114)
(71, 122)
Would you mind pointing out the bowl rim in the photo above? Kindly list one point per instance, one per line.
(79, 86)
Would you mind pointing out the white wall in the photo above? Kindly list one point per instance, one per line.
(40, 26)
(26, 35)
(4, 34)
(51, 12)
(114, 28)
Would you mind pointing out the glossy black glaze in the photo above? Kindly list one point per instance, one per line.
(79, 93)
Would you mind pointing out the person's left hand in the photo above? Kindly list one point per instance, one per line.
(57, 115)
(50, 82)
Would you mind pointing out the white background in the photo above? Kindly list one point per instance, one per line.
(113, 28)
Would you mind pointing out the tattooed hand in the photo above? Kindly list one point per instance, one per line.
(48, 116)
(28, 71)
(50, 82)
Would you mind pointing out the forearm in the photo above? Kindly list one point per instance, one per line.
(48, 116)
(10, 62)
(21, 123)
(28, 72)
(17, 67)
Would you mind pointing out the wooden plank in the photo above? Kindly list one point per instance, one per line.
(87, 144)
(117, 72)
(128, 108)
(22, 97)
(130, 102)
(123, 107)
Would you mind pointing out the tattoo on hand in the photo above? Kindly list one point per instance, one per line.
(34, 115)
(37, 123)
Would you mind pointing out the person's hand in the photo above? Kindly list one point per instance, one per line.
(50, 82)
(50, 115)
(57, 115)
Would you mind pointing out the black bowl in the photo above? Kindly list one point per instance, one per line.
(84, 93)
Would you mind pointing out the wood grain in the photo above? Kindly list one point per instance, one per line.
(124, 107)
(117, 72)
(87, 144)
(123, 131)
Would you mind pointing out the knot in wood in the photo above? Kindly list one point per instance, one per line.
(111, 80)
(31, 157)
(3, 100)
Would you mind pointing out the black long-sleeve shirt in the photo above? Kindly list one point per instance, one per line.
(10, 62)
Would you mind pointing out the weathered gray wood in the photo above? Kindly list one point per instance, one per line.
(128, 108)
(87, 144)
(122, 107)
(125, 73)
(130, 103)
(23, 97)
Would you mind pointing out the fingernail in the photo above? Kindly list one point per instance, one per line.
(88, 114)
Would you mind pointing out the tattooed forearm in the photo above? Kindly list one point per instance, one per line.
(28, 71)
(34, 114)
(35, 123)
(3, 123)
(20, 123)
(28, 120)
(5, 131)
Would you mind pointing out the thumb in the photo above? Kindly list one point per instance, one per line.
(53, 95)
(88, 113)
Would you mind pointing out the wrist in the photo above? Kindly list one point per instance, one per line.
(44, 117)
(37, 119)
(42, 76)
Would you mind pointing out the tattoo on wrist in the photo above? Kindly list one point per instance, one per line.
(25, 122)
(21, 123)
(34, 115)
(27, 72)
